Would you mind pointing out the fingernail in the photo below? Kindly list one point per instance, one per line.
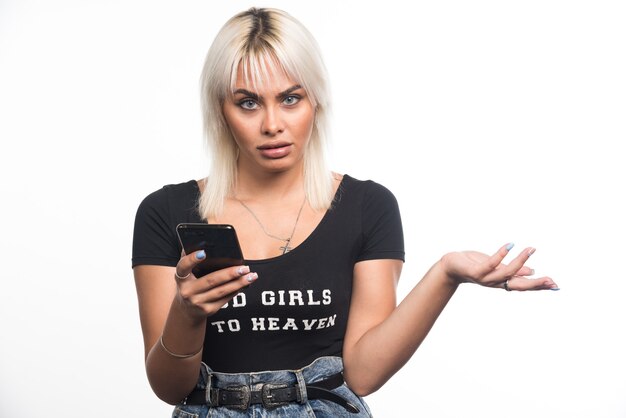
(251, 277)
(243, 270)
(509, 246)
(532, 271)
(200, 255)
(555, 288)
(531, 252)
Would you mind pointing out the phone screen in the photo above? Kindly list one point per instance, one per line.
(219, 242)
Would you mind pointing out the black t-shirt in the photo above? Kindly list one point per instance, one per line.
(297, 310)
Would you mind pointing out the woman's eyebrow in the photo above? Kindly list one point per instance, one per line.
(246, 93)
(289, 90)
(255, 96)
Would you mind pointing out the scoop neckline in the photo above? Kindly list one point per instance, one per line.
(304, 242)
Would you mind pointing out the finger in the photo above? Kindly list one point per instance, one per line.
(226, 291)
(224, 275)
(214, 294)
(221, 277)
(510, 270)
(525, 271)
(494, 261)
(525, 284)
(187, 263)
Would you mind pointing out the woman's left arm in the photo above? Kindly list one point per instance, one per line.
(381, 337)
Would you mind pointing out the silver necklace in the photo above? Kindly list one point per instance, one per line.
(284, 248)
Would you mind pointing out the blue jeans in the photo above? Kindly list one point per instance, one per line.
(320, 369)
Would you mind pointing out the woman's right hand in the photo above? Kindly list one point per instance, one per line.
(204, 296)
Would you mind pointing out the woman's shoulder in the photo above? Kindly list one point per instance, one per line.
(171, 198)
(368, 187)
(188, 189)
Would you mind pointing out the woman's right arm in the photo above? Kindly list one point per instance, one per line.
(173, 314)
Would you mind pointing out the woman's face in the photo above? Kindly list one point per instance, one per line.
(271, 124)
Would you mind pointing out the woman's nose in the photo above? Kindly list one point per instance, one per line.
(272, 122)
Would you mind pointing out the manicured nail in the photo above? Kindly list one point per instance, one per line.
(243, 270)
(555, 288)
(251, 277)
(509, 246)
(200, 255)
(531, 252)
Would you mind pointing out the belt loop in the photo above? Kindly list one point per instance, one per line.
(207, 391)
(207, 376)
(303, 398)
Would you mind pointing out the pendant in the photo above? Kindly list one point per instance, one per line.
(286, 248)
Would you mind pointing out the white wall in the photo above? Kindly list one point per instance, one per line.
(491, 121)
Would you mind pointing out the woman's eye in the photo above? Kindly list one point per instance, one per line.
(248, 104)
(291, 100)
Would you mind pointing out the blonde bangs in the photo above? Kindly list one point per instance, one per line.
(259, 67)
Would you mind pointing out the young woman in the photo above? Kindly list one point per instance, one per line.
(310, 323)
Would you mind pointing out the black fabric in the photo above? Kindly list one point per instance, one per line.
(297, 310)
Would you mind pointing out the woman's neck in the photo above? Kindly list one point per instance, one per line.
(269, 186)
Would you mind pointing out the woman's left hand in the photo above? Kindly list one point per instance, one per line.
(490, 271)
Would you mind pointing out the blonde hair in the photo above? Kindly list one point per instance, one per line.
(259, 40)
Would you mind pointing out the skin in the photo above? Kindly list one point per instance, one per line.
(272, 126)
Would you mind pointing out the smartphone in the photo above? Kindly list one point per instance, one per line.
(219, 242)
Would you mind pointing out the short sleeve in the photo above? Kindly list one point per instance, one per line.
(381, 225)
(154, 238)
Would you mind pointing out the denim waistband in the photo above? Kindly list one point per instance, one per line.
(319, 369)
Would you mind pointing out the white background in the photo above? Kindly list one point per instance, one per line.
(491, 121)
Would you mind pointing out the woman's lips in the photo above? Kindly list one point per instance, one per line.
(275, 151)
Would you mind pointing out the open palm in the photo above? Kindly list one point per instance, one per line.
(489, 270)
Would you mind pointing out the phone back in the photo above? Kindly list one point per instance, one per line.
(219, 242)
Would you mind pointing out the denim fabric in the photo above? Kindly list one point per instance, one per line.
(320, 369)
